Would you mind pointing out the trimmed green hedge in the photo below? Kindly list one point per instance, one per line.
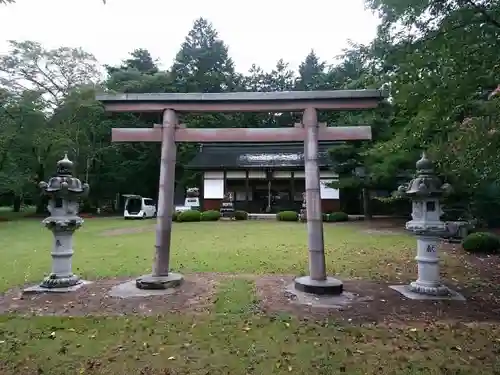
(211, 215)
(189, 216)
(240, 215)
(482, 242)
(335, 217)
(287, 216)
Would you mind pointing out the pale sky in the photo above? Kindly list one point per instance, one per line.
(257, 31)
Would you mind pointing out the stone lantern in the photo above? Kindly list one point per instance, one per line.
(227, 206)
(64, 192)
(192, 198)
(425, 192)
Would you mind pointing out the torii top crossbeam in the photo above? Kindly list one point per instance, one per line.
(243, 101)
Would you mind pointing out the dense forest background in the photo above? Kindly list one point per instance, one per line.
(439, 60)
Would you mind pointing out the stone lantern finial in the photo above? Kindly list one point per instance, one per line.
(65, 166)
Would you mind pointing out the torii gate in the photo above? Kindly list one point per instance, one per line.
(308, 131)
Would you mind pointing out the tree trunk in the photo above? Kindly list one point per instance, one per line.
(41, 205)
(16, 204)
(367, 212)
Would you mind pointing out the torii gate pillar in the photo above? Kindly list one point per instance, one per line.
(161, 278)
(317, 282)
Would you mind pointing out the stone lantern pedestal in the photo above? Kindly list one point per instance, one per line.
(63, 191)
(425, 191)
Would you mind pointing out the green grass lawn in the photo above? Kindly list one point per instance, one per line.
(251, 247)
(232, 338)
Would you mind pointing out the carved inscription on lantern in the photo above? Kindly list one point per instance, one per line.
(431, 248)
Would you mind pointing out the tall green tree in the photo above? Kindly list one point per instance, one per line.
(440, 61)
(203, 63)
(52, 72)
(280, 78)
(37, 81)
(311, 73)
(140, 59)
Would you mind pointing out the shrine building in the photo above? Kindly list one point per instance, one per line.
(263, 177)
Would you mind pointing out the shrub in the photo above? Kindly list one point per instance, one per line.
(175, 216)
(481, 242)
(87, 207)
(287, 216)
(337, 217)
(211, 215)
(189, 216)
(240, 215)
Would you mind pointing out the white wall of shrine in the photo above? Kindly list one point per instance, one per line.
(213, 181)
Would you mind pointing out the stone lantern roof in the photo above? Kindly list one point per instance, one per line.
(426, 183)
(63, 183)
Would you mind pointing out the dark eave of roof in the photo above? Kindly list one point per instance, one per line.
(256, 155)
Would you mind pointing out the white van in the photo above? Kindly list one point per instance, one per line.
(137, 207)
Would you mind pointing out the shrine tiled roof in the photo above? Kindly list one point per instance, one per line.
(256, 155)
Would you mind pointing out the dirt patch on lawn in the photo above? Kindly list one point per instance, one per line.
(386, 226)
(120, 231)
(477, 279)
(378, 303)
(195, 295)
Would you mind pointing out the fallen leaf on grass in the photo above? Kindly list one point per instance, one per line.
(171, 358)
